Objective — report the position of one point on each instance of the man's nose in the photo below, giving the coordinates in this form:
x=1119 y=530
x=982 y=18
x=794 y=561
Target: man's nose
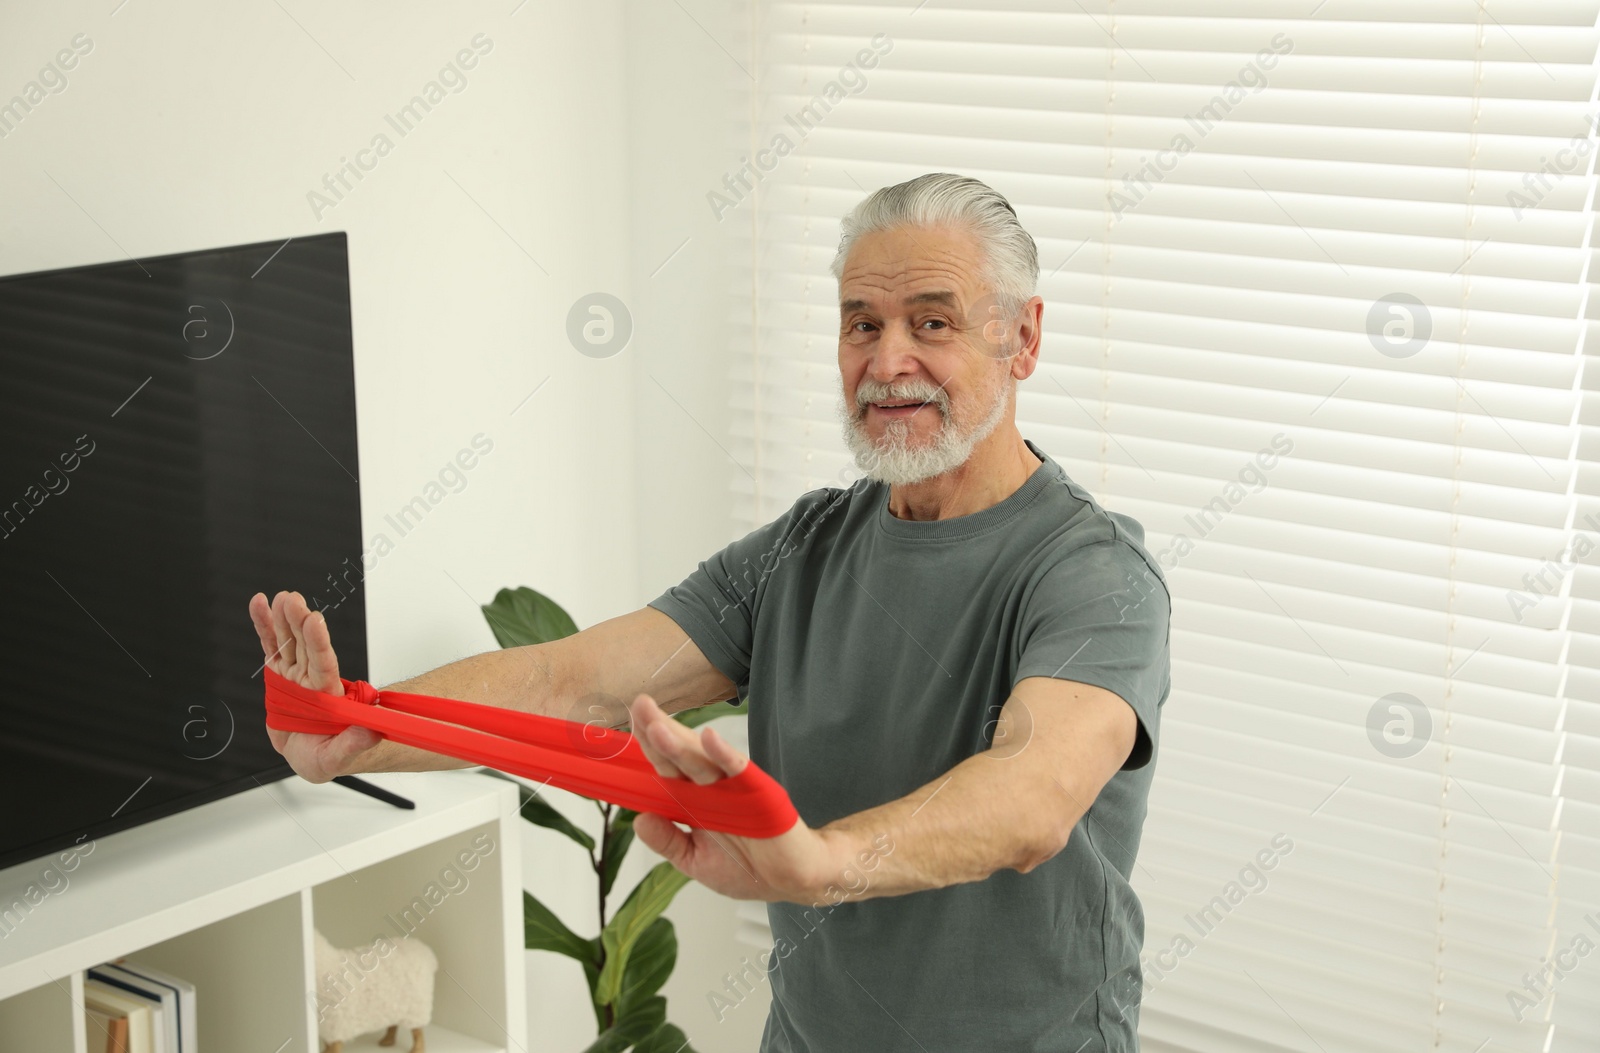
x=895 y=354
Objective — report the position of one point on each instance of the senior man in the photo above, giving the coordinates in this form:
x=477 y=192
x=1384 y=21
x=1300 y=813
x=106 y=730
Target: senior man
x=956 y=668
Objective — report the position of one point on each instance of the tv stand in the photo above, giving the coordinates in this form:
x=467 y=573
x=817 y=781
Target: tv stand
x=226 y=894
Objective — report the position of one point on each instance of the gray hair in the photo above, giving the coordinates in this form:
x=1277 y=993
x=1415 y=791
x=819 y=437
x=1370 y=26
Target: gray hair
x=942 y=199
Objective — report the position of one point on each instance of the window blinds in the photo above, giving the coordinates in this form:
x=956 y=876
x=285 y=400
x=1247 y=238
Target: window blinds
x=1317 y=289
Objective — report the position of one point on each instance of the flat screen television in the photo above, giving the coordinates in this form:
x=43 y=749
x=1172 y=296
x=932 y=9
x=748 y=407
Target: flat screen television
x=176 y=434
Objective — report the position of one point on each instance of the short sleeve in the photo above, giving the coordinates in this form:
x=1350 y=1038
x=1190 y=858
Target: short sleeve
x=1101 y=616
x=716 y=604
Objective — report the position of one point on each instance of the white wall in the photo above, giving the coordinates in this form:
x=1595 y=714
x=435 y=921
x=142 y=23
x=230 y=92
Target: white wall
x=191 y=125
x=589 y=132
x=686 y=85
x=683 y=91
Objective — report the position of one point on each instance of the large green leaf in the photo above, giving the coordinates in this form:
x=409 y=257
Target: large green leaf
x=643 y=905
x=648 y=966
x=666 y=1039
x=543 y=931
x=619 y=835
x=693 y=718
x=536 y=809
x=522 y=616
x=644 y=1021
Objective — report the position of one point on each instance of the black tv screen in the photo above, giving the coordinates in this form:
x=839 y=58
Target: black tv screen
x=176 y=434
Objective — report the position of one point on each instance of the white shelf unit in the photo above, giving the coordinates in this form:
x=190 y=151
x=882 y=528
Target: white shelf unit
x=226 y=894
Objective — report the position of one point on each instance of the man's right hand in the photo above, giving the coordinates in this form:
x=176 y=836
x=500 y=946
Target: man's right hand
x=296 y=644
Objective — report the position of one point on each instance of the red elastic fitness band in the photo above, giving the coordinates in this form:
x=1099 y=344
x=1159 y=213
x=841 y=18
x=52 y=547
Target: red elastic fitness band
x=596 y=762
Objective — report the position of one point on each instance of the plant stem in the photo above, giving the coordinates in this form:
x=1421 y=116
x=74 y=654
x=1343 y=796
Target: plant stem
x=600 y=880
x=600 y=868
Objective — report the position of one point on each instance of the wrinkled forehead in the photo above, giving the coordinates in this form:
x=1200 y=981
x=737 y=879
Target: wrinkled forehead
x=906 y=268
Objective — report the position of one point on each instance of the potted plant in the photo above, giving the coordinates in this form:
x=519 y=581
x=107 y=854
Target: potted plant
x=627 y=964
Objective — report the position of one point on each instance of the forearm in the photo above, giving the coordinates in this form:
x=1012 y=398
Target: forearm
x=589 y=677
x=1012 y=806
x=519 y=678
x=980 y=817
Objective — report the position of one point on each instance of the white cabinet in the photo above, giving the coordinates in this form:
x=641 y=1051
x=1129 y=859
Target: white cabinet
x=225 y=895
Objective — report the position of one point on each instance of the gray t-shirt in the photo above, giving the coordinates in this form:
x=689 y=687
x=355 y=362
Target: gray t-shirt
x=876 y=653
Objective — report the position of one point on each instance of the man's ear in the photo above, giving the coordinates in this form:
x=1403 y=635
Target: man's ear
x=1029 y=325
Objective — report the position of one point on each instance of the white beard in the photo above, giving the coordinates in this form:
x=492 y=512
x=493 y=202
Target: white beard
x=896 y=463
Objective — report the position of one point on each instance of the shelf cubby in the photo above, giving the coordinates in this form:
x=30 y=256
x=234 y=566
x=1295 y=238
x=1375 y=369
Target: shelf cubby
x=227 y=896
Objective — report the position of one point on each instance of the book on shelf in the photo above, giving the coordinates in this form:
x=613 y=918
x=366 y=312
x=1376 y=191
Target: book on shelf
x=134 y=1013
x=173 y=996
x=107 y=1032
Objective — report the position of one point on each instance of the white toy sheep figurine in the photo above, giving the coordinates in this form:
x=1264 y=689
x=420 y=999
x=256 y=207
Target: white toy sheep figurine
x=385 y=983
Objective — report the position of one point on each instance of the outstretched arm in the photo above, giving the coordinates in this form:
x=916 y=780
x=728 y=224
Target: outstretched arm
x=587 y=677
x=1012 y=806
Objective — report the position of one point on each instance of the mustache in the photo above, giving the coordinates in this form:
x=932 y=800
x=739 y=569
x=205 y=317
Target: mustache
x=868 y=393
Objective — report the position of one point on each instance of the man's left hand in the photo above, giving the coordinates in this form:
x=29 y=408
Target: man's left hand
x=795 y=866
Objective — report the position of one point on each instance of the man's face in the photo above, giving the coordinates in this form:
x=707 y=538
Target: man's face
x=923 y=352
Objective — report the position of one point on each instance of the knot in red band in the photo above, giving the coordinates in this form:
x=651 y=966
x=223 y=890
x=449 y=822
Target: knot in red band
x=361 y=691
